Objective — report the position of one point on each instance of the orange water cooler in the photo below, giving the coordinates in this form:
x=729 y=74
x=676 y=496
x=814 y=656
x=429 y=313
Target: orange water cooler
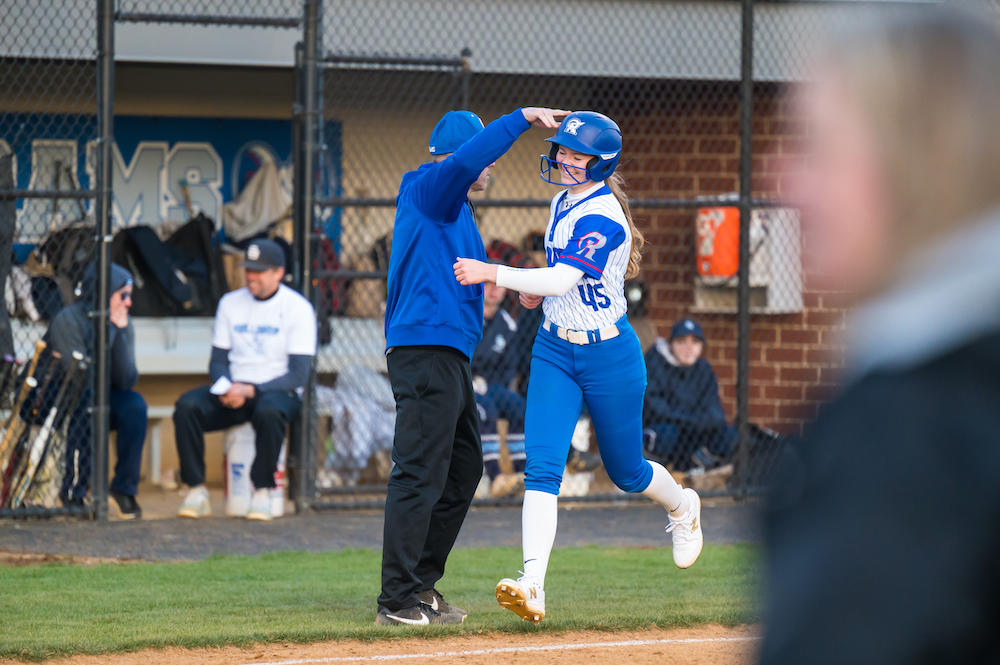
x=718 y=232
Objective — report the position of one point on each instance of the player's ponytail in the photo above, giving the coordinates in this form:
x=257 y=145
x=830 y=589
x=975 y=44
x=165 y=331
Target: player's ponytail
x=616 y=184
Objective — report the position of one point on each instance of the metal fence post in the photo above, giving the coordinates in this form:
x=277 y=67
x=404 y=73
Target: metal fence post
x=304 y=229
x=102 y=206
x=746 y=211
x=466 y=82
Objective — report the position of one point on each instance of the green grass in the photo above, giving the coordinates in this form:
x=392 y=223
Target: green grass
x=59 y=609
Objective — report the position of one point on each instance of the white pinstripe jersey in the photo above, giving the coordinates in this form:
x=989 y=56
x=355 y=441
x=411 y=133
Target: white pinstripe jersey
x=593 y=235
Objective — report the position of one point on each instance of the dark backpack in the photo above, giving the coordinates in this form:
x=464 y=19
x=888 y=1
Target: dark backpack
x=160 y=284
x=198 y=240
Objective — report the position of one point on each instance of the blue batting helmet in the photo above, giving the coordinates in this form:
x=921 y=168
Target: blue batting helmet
x=591 y=133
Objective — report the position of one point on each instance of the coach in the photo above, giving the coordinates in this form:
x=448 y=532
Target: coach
x=262 y=350
x=432 y=327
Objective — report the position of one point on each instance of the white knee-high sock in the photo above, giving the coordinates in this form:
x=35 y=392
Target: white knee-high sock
x=539 y=515
x=664 y=490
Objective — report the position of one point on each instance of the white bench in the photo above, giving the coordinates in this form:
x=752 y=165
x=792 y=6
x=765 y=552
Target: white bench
x=182 y=345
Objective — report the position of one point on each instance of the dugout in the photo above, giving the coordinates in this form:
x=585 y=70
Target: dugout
x=213 y=94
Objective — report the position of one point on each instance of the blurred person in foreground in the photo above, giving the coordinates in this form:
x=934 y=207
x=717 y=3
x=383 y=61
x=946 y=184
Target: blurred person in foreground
x=894 y=560
x=683 y=420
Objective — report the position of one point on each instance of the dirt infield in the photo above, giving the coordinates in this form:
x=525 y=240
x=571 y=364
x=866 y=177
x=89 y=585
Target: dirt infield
x=707 y=645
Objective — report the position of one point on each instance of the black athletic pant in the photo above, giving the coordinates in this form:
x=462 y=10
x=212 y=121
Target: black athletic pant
x=439 y=461
x=199 y=411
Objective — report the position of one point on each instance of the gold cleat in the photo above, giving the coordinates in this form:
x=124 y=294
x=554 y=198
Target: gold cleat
x=524 y=597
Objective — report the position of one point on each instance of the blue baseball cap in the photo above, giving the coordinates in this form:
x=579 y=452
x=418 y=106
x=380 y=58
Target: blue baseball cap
x=452 y=130
x=686 y=327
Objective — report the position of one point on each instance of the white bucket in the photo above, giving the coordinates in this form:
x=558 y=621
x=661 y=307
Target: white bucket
x=240 y=452
x=241 y=449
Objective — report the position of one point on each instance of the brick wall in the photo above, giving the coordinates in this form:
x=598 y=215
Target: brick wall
x=685 y=142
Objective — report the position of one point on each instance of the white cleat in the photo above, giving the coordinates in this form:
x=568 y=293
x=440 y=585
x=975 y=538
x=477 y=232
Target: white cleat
x=523 y=596
x=260 y=506
x=195 y=504
x=686 y=532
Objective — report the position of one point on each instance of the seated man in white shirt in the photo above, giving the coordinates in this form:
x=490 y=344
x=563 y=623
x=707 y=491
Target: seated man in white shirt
x=262 y=350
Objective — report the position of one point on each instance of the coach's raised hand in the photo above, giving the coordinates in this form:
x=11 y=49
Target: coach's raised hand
x=529 y=301
x=541 y=117
x=471 y=271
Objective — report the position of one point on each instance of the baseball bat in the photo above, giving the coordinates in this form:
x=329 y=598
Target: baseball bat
x=7 y=465
x=11 y=432
x=16 y=458
x=38 y=444
x=77 y=392
x=17 y=462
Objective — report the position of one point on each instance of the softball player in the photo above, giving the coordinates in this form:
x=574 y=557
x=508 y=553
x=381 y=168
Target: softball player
x=585 y=350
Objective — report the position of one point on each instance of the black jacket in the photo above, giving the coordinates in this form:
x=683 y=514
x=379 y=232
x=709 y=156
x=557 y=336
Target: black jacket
x=884 y=534
x=883 y=531
x=497 y=357
x=72 y=329
x=686 y=397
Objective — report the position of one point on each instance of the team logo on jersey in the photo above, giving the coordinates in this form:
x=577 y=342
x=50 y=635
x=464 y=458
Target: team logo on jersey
x=590 y=243
x=572 y=125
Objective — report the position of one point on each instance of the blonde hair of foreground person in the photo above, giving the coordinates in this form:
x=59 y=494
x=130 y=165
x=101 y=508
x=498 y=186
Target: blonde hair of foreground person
x=928 y=84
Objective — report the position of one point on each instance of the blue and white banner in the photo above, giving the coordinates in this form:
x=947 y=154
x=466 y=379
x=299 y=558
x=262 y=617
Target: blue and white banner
x=215 y=157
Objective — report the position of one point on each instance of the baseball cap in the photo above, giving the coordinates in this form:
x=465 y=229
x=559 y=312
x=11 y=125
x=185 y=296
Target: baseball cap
x=263 y=255
x=687 y=327
x=452 y=130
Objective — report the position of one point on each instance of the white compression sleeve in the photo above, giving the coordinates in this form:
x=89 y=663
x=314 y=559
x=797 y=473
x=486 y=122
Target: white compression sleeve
x=539 y=515
x=554 y=281
x=664 y=490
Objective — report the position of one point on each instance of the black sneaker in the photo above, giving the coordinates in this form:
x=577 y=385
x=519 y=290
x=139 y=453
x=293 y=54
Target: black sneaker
x=437 y=602
x=125 y=504
x=420 y=615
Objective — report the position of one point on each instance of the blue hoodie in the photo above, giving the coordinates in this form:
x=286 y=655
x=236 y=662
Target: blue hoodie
x=425 y=304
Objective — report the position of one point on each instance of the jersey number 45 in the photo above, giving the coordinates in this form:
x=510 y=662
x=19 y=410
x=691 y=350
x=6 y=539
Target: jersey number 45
x=594 y=295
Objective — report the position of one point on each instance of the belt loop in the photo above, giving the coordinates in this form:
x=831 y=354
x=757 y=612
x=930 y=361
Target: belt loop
x=593 y=336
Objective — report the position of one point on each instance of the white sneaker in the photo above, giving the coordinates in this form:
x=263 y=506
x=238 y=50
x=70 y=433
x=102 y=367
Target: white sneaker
x=687 y=534
x=260 y=505
x=195 y=504
x=523 y=596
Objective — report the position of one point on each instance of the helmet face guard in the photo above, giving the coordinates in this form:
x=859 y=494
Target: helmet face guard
x=590 y=133
x=549 y=162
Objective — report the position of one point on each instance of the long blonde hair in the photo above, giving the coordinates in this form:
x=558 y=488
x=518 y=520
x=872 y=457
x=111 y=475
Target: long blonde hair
x=929 y=82
x=616 y=183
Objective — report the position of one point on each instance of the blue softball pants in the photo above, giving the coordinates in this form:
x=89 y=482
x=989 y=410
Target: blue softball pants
x=610 y=376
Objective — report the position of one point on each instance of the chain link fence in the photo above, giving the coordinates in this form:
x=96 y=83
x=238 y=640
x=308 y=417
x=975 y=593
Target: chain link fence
x=48 y=181
x=740 y=348
x=672 y=82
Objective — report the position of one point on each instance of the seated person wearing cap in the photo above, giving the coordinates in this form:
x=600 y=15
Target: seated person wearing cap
x=494 y=369
x=683 y=420
x=262 y=350
x=72 y=330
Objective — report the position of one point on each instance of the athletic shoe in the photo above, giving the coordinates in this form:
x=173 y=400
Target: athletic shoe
x=437 y=602
x=260 y=505
x=420 y=615
x=523 y=596
x=686 y=532
x=125 y=504
x=195 y=503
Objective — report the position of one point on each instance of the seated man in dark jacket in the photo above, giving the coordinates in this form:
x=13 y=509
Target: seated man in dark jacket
x=494 y=369
x=682 y=414
x=71 y=330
